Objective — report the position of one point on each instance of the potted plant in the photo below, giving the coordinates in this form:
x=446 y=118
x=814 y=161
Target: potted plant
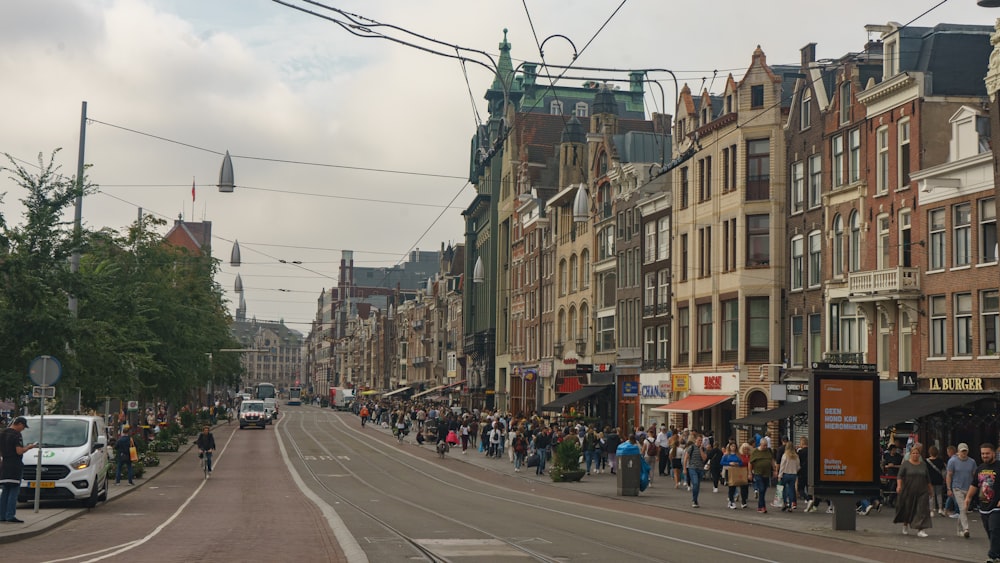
x=566 y=461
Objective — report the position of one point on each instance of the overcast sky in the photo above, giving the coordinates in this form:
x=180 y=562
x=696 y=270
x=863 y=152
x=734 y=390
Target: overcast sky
x=263 y=80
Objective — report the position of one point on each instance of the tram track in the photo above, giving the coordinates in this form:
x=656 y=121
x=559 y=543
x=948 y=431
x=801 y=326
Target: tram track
x=377 y=446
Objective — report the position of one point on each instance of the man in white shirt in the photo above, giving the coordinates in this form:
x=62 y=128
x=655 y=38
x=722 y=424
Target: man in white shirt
x=663 y=444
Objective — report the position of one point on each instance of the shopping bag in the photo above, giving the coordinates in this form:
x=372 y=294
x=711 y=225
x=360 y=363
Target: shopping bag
x=133 y=454
x=779 y=490
x=737 y=477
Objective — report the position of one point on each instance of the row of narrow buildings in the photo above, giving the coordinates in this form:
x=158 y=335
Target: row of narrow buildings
x=627 y=267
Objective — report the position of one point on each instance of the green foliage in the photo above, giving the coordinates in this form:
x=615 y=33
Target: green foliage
x=567 y=456
x=149 y=313
x=150 y=459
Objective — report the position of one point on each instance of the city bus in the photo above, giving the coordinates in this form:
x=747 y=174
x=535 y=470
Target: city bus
x=294 y=396
x=264 y=391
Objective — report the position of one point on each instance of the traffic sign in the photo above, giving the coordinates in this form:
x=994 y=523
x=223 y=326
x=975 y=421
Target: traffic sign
x=133 y=405
x=45 y=371
x=41 y=391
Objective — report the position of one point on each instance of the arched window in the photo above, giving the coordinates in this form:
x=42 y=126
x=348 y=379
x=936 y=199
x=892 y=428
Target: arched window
x=584 y=333
x=585 y=269
x=574 y=274
x=555 y=107
x=571 y=323
x=563 y=277
x=855 y=250
x=582 y=110
x=838 y=245
x=562 y=326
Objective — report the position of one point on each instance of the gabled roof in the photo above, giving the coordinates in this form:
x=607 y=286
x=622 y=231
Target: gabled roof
x=196 y=237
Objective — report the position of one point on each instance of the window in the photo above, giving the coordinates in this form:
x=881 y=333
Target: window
x=649 y=295
x=758 y=240
x=758 y=170
x=962 y=219
x=606 y=244
x=650 y=251
x=605 y=340
x=903 y=138
x=852 y=332
x=662 y=291
x=797 y=265
x=815 y=180
x=845 y=103
x=905 y=239
x=684 y=257
x=805 y=117
x=883 y=242
x=704 y=252
x=705 y=333
x=935 y=221
x=837 y=147
x=758 y=329
x=815 y=338
x=729 y=245
x=585 y=269
x=889 y=64
x=854 y=257
x=683 y=335
x=882 y=160
x=563 y=278
x=963 y=324
x=582 y=110
x=757 y=96
x=662 y=346
x=939 y=317
x=798 y=344
x=730 y=330
x=798 y=187
x=815 y=258
x=854 y=155
x=989 y=305
x=649 y=348
x=555 y=107
x=663 y=239
x=725 y=169
x=987 y=231
x=684 y=187
x=732 y=167
x=574 y=275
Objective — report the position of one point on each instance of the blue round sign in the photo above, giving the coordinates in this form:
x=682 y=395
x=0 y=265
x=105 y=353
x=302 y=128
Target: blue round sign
x=45 y=371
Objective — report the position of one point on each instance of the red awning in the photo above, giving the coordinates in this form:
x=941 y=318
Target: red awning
x=694 y=403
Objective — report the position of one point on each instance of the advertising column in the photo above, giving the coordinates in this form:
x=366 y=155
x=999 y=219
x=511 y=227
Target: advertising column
x=843 y=423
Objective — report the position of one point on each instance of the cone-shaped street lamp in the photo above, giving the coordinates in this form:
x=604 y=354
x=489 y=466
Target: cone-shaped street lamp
x=581 y=205
x=234 y=257
x=226 y=184
x=238 y=288
x=478 y=271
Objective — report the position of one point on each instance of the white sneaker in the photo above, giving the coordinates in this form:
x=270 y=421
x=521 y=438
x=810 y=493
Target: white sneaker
x=715 y=489
x=829 y=509
x=921 y=534
x=906 y=530
x=732 y=506
x=810 y=505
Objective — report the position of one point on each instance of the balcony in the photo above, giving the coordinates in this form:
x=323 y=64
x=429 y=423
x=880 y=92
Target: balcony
x=883 y=284
x=844 y=357
x=417 y=325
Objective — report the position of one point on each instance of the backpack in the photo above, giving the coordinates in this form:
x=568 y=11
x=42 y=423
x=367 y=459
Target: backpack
x=652 y=449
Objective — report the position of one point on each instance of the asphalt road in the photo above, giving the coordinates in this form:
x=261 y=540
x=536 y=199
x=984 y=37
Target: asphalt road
x=318 y=487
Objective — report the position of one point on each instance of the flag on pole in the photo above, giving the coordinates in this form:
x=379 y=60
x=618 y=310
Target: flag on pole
x=192 y=190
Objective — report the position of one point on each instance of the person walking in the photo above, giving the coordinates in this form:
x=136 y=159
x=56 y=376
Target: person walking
x=651 y=452
x=519 y=445
x=11 y=449
x=464 y=431
x=713 y=465
x=984 y=487
x=913 y=491
x=788 y=469
x=541 y=445
x=123 y=457
x=612 y=438
x=764 y=468
x=936 y=469
x=694 y=460
x=663 y=445
x=736 y=475
x=958 y=479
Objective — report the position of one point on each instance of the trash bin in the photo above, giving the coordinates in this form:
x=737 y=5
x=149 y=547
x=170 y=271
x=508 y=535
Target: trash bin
x=629 y=471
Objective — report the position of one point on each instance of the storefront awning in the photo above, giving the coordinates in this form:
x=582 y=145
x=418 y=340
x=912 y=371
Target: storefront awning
x=786 y=410
x=456 y=384
x=917 y=405
x=428 y=392
x=574 y=397
x=693 y=403
x=369 y=392
x=395 y=391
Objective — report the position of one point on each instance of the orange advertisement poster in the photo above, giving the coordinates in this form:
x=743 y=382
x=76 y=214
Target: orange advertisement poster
x=847 y=430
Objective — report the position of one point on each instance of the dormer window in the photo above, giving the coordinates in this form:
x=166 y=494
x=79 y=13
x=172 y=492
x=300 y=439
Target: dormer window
x=555 y=107
x=706 y=115
x=890 y=60
x=805 y=117
x=582 y=110
x=729 y=103
x=757 y=96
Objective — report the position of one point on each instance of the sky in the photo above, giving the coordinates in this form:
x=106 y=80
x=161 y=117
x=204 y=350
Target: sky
x=342 y=142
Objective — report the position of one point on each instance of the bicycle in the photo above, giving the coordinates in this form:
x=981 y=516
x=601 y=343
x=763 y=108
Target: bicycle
x=206 y=459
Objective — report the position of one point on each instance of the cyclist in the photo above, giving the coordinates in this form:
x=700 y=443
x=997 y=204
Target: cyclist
x=206 y=446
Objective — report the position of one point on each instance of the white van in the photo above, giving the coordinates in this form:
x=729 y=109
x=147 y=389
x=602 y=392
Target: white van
x=74 y=459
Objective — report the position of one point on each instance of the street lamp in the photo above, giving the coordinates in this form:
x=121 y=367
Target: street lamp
x=479 y=271
x=226 y=181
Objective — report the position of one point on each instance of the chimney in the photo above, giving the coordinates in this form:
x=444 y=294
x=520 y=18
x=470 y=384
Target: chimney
x=808 y=54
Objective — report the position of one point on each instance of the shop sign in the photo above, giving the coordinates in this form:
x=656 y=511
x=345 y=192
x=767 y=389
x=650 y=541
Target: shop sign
x=630 y=388
x=906 y=381
x=653 y=392
x=713 y=383
x=681 y=382
x=798 y=387
x=570 y=361
x=956 y=384
x=529 y=374
x=545 y=369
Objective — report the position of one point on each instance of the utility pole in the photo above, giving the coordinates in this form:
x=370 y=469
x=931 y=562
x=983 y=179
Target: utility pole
x=74 y=261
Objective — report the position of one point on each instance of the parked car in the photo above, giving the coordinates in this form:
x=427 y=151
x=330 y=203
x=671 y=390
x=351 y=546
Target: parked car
x=252 y=413
x=75 y=459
